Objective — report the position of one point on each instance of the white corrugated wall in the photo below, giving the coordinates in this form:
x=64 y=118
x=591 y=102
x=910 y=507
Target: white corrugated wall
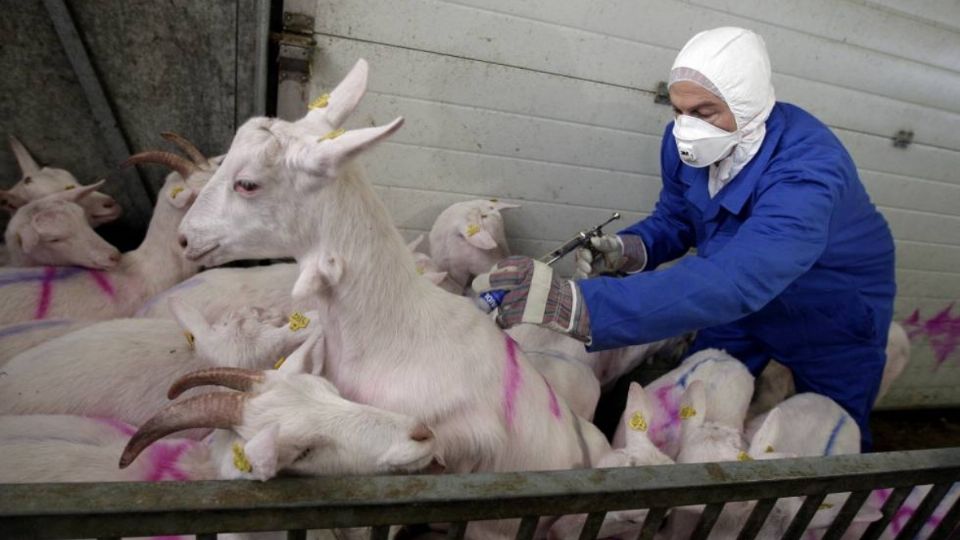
x=550 y=103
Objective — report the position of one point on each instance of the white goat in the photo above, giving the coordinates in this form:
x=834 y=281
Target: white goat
x=638 y=452
x=119 y=368
x=467 y=239
x=290 y=189
x=775 y=383
x=429 y=269
x=728 y=388
x=37 y=182
x=156 y=265
x=53 y=230
x=16 y=338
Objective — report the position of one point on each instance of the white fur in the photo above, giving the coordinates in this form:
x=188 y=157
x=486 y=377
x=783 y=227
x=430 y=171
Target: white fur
x=53 y=230
x=121 y=368
x=18 y=337
x=38 y=182
x=394 y=338
x=142 y=273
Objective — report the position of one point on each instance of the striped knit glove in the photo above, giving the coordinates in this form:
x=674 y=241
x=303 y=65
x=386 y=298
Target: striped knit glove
x=536 y=295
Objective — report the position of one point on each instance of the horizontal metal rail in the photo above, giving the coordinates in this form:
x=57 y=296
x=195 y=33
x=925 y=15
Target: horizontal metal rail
x=169 y=508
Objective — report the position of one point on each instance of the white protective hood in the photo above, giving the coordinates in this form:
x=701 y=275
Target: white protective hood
x=732 y=63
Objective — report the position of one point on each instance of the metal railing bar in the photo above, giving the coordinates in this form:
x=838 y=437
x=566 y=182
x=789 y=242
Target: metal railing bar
x=845 y=517
x=800 y=521
x=298 y=534
x=652 y=523
x=889 y=509
x=528 y=526
x=380 y=532
x=707 y=520
x=457 y=530
x=923 y=512
x=949 y=523
x=207 y=536
x=592 y=526
x=757 y=517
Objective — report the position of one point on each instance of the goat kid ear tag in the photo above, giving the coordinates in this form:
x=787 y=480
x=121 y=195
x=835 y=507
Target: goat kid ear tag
x=638 y=422
x=298 y=321
x=279 y=362
x=240 y=461
x=320 y=102
x=687 y=412
x=743 y=456
x=190 y=339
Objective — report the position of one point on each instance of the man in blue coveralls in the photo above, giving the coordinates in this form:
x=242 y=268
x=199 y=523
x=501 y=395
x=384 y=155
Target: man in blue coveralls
x=793 y=261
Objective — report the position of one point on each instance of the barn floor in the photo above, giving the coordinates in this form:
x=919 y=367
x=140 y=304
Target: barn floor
x=915 y=430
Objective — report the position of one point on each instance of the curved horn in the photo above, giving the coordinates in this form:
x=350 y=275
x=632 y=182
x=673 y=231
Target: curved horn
x=175 y=162
x=230 y=377
x=188 y=147
x=218 y=410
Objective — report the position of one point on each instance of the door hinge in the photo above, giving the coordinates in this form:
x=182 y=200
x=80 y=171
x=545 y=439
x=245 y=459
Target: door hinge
x=296 y=44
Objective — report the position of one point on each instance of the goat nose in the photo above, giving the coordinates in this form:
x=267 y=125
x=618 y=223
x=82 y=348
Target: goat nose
x=182 y=240
x=109 y=204
x=421 y=433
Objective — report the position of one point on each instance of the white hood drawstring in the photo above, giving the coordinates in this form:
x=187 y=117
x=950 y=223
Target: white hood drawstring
x=731 y=63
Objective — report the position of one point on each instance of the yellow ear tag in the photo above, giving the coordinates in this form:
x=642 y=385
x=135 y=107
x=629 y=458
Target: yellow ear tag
x=298 y=321
x=320 y=102
x=472 y=229
x=174 y=191
x=240 y=461
x=280 y=362
x=494 y=200
x=687 y=412
x=825 y=506
x=332 y=135
x=68 y=188
x=638 y=422
x=769 y=449
x=420 y=271
x=190 y=339
x=743 y=456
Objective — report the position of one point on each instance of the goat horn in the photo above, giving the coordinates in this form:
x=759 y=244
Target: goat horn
x=175 y=162
x=218 y=410
x=230 y=377
x=188 y=147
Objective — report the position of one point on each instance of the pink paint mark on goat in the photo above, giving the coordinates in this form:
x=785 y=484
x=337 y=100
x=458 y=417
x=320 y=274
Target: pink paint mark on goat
x=554 y=403
x=103 y=282
x=511 y=382
x=119 y=425
x=668 y=418
x=942 y=332
x=163 y=460
x=46 y=292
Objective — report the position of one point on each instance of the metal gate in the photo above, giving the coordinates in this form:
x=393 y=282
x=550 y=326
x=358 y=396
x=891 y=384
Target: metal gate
x=114 y=510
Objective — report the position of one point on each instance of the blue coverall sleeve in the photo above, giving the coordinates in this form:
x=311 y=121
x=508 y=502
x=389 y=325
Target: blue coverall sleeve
x=666 y=233
x=784 y=236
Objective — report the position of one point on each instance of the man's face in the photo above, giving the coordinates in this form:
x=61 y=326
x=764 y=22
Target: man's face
x=694 y=100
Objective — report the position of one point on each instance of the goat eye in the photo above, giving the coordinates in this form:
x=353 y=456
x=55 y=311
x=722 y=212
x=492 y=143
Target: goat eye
x=245 y=187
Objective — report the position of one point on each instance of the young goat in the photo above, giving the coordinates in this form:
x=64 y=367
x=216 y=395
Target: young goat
x=53 y=230
x=291 y=189
x=70 y=292
x=37 y=182
x=16 y=338
x=467 y=238
x=119 y=368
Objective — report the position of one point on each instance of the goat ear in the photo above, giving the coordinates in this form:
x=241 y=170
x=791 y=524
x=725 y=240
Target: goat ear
x=345 y=97
x=26 y=162
x=415 y=243
x=318 y=273
x=190 y=319
x=693 y=404
x=263 y=452
x=472 y=230
x=324 y=156
x=435 y=277
x=81 y=192
x=766 y=438
x=10 y=201
x=27 y=238
x=308 y=358
x=499 y=205
x=49 y=221
x=179 y=195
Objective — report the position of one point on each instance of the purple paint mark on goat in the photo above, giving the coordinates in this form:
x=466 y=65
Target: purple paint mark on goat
x=163 y=459
x=668 y=417
x=46 y=292
x=15 y=329
x=188 y=284
x=554 y=403
x=37 y=274
x=942 y=332
x=511 y=382
x=103 y=282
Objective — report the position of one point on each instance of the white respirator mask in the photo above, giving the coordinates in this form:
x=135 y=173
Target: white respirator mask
x=701 y=143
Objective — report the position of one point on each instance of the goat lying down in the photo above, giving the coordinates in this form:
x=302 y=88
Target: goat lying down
x=290 y=189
